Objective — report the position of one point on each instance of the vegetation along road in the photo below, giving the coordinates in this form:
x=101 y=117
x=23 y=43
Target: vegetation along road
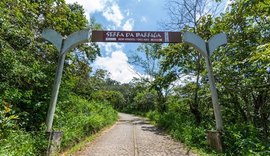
x=133 y=135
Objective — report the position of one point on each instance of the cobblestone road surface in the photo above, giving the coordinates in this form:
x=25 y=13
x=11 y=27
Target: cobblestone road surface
x=133 y=136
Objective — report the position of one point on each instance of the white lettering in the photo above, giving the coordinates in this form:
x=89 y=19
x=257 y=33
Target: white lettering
x=121 y=35
x=115 y=34
x=148 y=35
x=129 y=35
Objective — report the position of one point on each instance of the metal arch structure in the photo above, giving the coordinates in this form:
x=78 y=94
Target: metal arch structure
x=63 y=45
x=207 y=49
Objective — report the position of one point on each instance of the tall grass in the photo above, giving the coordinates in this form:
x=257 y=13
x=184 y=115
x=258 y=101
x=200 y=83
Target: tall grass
x=79 y=118
x=21 y=143
x=238 y=138
x=75 y=116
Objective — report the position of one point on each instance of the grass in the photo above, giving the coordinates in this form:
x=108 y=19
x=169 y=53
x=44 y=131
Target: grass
x=84 y=142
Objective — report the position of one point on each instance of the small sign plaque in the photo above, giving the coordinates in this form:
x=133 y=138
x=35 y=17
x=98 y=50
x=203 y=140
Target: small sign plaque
x=136 y=36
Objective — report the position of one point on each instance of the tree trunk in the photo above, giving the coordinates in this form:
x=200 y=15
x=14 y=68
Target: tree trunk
x=196 y=113
x=161 y=101
x=195 y=104
x=238 y=107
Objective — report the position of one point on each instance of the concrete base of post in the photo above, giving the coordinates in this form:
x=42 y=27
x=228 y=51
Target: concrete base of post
x=54 y=142
x=214 y=140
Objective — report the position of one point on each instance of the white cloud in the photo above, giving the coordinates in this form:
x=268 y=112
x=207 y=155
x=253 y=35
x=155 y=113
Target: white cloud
x=115 y=61
x=90 y=6
x=112 y=13
x=128 y=26
x=110 y=47
x=118 y=66
x=109 y=8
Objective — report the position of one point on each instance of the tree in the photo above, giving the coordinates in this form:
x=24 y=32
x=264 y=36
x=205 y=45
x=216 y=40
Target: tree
x=179 y=60
x=188 y=15
x=145 y=101
x=147 y=59
x=150 y=63
x=28 y=64
x=242 y=68
x=115 y=98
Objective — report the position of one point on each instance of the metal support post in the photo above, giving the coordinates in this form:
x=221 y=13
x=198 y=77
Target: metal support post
x=63 y=45
x=207 y=49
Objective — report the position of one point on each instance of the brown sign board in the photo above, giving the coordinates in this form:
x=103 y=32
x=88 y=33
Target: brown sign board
x=136 y=36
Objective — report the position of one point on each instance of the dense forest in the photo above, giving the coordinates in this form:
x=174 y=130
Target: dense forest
x=28 y=65
x=175 y=95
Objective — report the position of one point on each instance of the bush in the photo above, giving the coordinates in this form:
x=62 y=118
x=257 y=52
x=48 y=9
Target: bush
x=153 y=116
x=20 y=143
x=239 y=139
x=242 y=139
x=79 y=118
x=76 y=117
x=115 y=98
x=7 y=119
x=145 y=101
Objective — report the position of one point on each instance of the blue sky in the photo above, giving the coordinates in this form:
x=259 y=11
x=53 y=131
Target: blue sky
x=140 y=15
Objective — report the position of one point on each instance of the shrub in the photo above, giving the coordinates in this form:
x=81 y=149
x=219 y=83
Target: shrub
x=115 y=98
x=243 y=139
x=239 y=139
x=145 y=101
x=78 y=118
x=20 y=143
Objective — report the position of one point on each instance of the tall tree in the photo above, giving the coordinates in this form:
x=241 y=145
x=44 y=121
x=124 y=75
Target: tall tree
x=243 y=63
x=147 y=59
x=180 y=60
x=187 y=15
x=27 y=63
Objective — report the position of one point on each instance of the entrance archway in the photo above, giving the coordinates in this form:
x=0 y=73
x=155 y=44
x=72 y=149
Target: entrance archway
x=63 y=45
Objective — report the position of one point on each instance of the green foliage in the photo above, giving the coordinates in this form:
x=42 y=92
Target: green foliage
x=7 y=119
x=27 y=62
x=10 y=144
x=239 y=139
x=115 y=98
x=145 y=101
x=79 y=118
x=86 y=101
x=242 y=80
x=180 y=126
x=75 y=116
x=23 y=143
x=242 y=139
x=28 y=65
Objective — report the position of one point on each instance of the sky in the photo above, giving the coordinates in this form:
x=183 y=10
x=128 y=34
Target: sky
x=130 y=15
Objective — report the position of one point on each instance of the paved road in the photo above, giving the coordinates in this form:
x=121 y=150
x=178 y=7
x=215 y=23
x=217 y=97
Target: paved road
x=133 y=136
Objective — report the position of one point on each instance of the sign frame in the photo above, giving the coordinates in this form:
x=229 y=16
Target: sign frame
x=136 y=36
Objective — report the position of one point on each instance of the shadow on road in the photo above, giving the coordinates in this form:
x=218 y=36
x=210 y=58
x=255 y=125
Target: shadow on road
x=144 y=124
x=153 y=129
